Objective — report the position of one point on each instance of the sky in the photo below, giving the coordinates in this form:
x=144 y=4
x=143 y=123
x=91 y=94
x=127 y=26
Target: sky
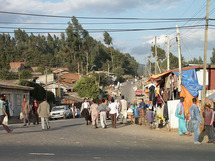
x=136 y=43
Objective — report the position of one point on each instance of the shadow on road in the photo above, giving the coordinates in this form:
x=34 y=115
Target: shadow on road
x=40 y=130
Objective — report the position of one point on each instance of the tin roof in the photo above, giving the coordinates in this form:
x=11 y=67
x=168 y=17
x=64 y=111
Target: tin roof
x=13 y=86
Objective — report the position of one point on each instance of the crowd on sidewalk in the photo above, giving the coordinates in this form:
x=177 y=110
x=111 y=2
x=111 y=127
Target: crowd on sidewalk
x=115 y=108
x=118 y=109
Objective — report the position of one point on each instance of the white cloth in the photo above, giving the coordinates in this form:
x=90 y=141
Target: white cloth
x=85 y=104
x=113 y=108
x=103 y=119
x=45 y=121
x=172 y=106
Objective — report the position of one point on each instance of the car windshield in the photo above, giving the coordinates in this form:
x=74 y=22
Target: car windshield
x=57 y=108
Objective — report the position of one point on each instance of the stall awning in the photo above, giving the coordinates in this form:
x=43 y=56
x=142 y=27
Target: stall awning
x=155 y=77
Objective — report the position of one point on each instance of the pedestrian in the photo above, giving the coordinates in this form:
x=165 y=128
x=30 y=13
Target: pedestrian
x=181 y=117
x=123 y=109
x=85 y=107
x=142 y=104
x=113 y=111
x=208 y=115
x=7 y=108
x=94 y=113
x=25 y=111
x=102 y=110
x=44 y=114
x=3 y=114
x=150 y=116
x=196 y=120
x=34 y=109
x=117 y=111
x=73 y=110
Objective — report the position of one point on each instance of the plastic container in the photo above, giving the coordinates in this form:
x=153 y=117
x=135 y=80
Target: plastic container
x=136 y=112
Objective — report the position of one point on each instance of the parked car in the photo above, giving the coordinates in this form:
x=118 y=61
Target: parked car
x=138 y=92
x=62 y=111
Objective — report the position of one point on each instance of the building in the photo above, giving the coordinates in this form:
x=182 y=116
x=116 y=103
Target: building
x=15 y=94
x=16 y=66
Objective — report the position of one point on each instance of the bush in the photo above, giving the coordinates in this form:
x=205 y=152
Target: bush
x=25 y=74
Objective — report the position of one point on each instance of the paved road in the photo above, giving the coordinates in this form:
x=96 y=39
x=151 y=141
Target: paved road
x=128 y=92
x=72 y=140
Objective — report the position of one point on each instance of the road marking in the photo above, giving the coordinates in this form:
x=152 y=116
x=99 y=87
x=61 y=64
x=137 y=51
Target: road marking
x=47 y=154
x=97 y=158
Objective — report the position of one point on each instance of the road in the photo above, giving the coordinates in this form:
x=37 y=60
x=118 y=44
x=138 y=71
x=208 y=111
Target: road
x=71 y=139
x=128 y=92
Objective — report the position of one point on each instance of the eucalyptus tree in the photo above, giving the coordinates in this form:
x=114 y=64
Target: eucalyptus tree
x=108 y=41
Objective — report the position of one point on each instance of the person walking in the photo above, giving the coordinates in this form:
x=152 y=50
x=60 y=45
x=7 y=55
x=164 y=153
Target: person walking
x=34 y=109
x=94 y=113
x=85 y=107
x=181 y=117
x=123 y=109
x=25 y=111
x=44 y=114
x=196 y=120
x=102 y=110
x=117 y=110
x=3 y=114
x=208 y=115
x=142 y=104
x=113 y=111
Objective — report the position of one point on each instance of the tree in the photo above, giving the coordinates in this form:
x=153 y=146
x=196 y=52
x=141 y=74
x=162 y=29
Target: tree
x=5 y=75
x=25 y=74
x=87 y=87
x=196 y=61
x=37 y=93
x=108 y=41
x=213 y=57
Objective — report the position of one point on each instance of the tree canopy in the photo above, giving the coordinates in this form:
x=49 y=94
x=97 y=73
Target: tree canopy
x=74 y=49
x=87 y=87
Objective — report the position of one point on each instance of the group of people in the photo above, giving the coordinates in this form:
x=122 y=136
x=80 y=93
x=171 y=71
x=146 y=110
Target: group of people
x=196 y=120
x=37 y=110
x=112 y=107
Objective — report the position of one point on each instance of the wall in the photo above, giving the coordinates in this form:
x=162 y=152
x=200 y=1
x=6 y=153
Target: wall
x=15 y=97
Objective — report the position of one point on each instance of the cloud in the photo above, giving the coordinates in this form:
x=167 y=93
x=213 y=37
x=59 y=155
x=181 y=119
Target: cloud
x=171 y=7
x=73 y=7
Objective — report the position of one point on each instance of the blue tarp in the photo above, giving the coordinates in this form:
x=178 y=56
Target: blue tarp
x=190 y=82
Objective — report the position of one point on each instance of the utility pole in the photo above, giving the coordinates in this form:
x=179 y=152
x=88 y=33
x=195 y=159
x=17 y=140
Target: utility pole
x=108 y=70
x=46 y=82
x=205 y=55
x=145 y=67
x=78 y=70
x=156 y=55
x=150 y=65
x=168 y=46
x=87 y=63
x=179 y=58
x=59 y=80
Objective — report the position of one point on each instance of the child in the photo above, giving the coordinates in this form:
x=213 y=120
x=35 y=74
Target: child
x=150 y=116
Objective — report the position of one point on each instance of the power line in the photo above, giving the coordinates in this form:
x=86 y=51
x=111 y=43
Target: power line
x=137 y=29
x=50 y=23
x=107 y=18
